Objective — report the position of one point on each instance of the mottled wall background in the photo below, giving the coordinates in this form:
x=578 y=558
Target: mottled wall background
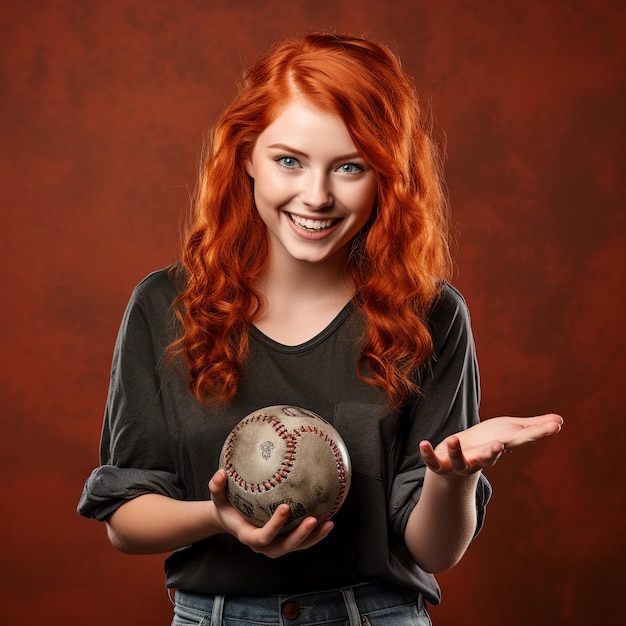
x=103 y=106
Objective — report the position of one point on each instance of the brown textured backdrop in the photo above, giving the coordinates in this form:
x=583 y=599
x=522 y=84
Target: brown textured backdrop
x=102 y=110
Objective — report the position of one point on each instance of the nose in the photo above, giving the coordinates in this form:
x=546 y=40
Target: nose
x=316 y=192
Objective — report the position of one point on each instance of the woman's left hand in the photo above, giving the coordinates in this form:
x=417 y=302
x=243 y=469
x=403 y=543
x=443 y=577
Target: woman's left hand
x=482 y=445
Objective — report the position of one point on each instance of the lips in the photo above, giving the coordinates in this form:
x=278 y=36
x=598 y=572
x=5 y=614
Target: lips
x=311 y=224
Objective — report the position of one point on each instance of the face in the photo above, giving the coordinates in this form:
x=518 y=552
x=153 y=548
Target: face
x=312 y=187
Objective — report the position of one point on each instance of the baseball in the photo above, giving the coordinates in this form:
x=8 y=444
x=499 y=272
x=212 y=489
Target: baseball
x=285 y=454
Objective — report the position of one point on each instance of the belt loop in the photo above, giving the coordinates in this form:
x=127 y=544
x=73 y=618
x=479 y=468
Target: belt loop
x=351 y=606
x=218 y=610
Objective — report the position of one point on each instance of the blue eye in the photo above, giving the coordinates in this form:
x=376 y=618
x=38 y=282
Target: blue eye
x=288 y=161
x=350 y=168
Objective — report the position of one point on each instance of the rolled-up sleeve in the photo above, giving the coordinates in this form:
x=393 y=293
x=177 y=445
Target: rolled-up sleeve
x=449 y=402
x=135 y=448
x=109 y=487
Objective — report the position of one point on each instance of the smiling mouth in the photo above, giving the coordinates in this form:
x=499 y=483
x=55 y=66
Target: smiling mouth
x=314 y=225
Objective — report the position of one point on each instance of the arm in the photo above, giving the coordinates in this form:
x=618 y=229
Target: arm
x=442 y=524
x=138 y=458
x=153 y=523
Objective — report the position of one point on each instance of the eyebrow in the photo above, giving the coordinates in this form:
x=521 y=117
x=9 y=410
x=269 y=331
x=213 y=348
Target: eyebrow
x=286 y=148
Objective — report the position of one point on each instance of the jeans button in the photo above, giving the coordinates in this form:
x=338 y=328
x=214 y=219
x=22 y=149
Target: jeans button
x=291 y=610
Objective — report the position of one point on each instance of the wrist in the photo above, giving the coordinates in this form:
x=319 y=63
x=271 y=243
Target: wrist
x=453 y=480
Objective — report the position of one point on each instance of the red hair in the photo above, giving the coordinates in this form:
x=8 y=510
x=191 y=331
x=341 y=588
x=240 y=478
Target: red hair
x=397 y=262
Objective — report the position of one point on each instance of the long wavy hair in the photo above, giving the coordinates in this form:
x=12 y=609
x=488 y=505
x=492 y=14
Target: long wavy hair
x=397 y=262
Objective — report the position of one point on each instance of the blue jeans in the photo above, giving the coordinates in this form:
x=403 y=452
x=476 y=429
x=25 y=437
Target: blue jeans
x=369 y=604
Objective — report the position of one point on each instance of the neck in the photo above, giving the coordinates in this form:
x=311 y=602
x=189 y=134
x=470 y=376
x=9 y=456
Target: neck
x=301 y=299
x=307 y=280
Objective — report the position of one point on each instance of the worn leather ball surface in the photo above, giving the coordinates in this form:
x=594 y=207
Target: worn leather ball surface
x=286 y=454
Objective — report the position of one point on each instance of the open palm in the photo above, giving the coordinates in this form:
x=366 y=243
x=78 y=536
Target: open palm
x=482 y=445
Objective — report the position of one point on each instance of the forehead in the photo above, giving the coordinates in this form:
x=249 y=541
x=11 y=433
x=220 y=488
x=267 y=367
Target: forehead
x=302 y=125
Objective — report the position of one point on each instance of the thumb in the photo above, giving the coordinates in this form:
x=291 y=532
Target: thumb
x=217 y=486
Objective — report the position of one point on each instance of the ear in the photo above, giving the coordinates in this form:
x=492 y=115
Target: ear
x=250 y=168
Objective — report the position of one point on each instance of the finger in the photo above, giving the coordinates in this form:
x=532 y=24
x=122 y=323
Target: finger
x=458 y=462
x=300 y=534
x=481 y=458
x=217 y=487
x=268 y=540
x=429 y=457
x=550 y=423
x=320 y=532
x=534 y=432
x=305 y=535
x=554 y=422
x=547 y=417
x=495 y=451
x=274 y=525
x=260 y=539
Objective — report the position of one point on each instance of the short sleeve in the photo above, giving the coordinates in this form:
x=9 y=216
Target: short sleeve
x=109 y=487
x=448 y=403
x=135 y=449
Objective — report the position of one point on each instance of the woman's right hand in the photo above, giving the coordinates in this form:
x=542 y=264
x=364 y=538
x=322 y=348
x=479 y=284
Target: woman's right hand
x=265 y=540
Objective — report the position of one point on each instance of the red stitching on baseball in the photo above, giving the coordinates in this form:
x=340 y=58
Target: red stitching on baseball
x=288 y=457
x=286 y=464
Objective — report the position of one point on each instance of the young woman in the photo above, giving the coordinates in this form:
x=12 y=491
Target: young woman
x=314 y=274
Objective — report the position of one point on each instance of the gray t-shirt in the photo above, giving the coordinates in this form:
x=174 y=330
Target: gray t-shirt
x=157 y=438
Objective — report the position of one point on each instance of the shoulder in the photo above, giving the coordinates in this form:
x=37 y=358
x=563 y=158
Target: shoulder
x=152 y=300
x=160 y=288
x=149 y=315
x=449 y=314
x=449 y=301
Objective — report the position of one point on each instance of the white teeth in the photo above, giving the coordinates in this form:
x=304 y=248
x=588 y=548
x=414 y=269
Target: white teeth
x=310 y=224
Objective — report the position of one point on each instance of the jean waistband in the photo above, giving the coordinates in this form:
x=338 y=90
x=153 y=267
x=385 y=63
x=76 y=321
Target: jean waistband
x=369 y=597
